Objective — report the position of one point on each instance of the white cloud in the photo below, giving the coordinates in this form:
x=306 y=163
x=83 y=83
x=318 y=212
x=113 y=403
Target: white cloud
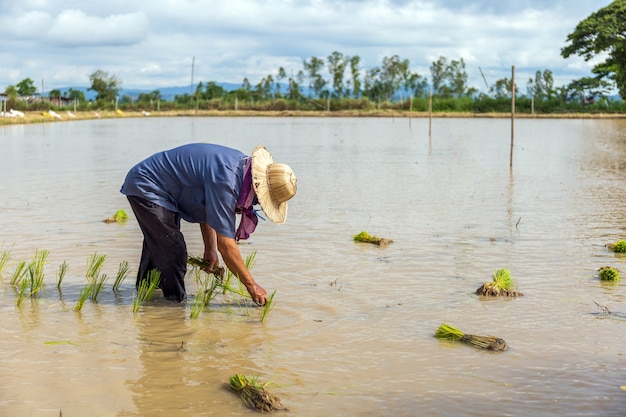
x=75 y=28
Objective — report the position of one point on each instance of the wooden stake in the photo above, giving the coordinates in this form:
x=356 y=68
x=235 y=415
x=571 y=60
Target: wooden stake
x=512 y=113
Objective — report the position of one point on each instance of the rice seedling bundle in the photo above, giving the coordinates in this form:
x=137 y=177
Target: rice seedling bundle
x=5 y=256
x=201 y=263
x=617 y=247
x=82 y=297
x=367 y=238
x=254 y=394
x=18 y=273
x=146 y=288
x=608 y=273
x=122 y=273
x=222 y=278
x=120 y=216
x=97 y=284
x=502 y=284
x=94 y=264
x=62 y=271
x=446 y=331
x=268 y=307
x=206 y=292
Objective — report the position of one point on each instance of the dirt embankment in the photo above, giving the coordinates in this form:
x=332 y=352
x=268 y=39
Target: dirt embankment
x=61 y=116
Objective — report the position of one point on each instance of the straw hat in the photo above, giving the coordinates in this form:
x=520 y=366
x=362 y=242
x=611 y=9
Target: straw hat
x=273 y=184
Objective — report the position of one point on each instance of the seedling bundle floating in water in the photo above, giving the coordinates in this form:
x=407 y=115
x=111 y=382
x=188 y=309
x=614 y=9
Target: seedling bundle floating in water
x=608 y=273
x=446 y=331
x=120 y=216
x=617 y=247
x=254 y=394
x=502 y=284
x=367 y=238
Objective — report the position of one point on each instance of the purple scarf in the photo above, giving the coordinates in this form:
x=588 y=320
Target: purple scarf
x=249 y=218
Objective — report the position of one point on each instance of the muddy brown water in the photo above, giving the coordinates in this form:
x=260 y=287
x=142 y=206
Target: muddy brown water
x=351 y=333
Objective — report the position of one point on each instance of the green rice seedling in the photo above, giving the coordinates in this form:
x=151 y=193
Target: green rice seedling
x=122 y=273
x=267 y=307
x=62 y=271
x=206 y=292
x=254 y=394
x=97 y=284
x=446 y=331
x=35 y=271
x=608 y=273
x=146 y=288
x=18 y=273
x=5 y=256
x=94 y=264
x=154 y=278
x=23 y=291
x=82 y=297
x=501 y=284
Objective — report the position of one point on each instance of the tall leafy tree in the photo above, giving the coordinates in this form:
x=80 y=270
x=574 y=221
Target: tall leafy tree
x=503 y=88
x=355 y=72
x=542 y=86
x=337 y=64
x=602 y=32
x=75 y=95
x=212 y=91
x=26 y=87
x=314 y=70
x=450 y=78
x=106 y=86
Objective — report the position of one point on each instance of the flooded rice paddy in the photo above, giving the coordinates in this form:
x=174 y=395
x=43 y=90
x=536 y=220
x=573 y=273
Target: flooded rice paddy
x=351 y=332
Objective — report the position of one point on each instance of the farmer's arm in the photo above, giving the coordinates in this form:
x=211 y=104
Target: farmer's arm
x=232 y=258
x=209 y=236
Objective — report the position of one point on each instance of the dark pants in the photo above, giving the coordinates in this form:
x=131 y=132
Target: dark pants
x=164 y=247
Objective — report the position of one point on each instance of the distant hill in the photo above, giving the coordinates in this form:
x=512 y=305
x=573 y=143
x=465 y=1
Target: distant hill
x=168 y=93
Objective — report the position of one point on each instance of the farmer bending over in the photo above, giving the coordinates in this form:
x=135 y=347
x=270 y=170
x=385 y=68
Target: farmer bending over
x=207 y=184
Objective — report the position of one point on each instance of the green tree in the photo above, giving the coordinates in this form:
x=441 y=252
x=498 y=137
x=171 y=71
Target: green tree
x=76 y=95
x=373 y=87
x=26 y=87
x=450 y=79
x=542 y=86
x=587 y=89
x=502 y=88
x=265 y=87
x=54 y=93
x=105 y=85
x=602 y=33
x=337 y=64
x=313 y=69
x=213 y=91
x=11 y=95
x=282 y=74
x=355 y=72
x=149 y=98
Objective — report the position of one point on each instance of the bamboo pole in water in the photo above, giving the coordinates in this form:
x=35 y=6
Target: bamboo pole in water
x=430 y=112
x=512 y=114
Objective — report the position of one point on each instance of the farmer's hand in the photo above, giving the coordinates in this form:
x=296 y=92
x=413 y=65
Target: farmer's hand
x=211 y=257
x=258 y=294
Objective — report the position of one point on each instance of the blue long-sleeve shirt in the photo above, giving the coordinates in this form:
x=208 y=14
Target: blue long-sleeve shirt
x=200 y=181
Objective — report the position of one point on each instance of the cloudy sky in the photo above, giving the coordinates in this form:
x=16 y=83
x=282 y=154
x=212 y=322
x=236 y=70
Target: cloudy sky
x=151 y=44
